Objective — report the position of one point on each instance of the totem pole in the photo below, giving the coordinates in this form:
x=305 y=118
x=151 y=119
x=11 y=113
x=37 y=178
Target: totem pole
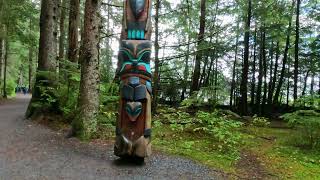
x=133 y=131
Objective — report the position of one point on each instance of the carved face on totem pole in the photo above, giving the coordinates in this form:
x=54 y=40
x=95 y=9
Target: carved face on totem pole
x=137 y=19
x=134 y=122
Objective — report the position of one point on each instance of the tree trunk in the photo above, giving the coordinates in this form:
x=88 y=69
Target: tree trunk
x=156 y=78
x=74 y=18
x=305 y=83
x=233 y=82
x=312 y=84
x=260 y=76
x=265 y=69
x=275 y=74
x=244 y=80
x=296 y=53
x=5 y=95
x=285 y=59
x=196 y=72
x=62 y=33
x=319 y=85
x=253 y=80
x=186 y=65
x=270 y=73
x=47 y=56
x=203 y=74
x=30 y=62
x=1 y=62
x=288 y=88
x=30 y=68
x=86 y=123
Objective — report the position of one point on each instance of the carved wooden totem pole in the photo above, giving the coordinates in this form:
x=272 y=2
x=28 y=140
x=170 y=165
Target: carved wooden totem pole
x=133 y=131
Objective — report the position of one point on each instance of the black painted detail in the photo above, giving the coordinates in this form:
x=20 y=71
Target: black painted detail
x=147 y=133
x=127 y=92
x=140 y=93
x=118 y=131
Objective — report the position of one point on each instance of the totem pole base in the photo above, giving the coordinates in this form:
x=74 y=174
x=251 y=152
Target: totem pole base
x=140 y=148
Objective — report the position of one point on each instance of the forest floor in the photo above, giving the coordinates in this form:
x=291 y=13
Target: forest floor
x=30 y=150
x=39 y=150
x=265 y=153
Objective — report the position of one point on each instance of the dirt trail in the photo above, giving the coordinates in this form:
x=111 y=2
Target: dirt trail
x=32 y=151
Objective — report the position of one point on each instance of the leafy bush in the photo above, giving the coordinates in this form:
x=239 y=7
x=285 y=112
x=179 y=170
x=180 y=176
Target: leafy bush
x=107 y=119
x=193 y=101
x=260 y=121
x=179 y=120
x=310 y=101
x=307 y=122
x=223 y=130
x=10 y=88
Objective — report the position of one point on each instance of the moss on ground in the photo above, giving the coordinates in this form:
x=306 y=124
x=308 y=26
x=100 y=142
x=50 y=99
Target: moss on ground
x=273 y=148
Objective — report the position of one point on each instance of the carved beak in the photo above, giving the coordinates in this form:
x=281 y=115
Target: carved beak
x=137 y=7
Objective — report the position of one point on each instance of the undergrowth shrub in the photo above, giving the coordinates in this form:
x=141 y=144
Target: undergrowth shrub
x=224 y=131
x=10 y=87
x=310 y=101
x=307 y=122
x=260 y=121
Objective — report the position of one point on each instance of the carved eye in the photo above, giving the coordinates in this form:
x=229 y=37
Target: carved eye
x=145 y=57
x=124 y=56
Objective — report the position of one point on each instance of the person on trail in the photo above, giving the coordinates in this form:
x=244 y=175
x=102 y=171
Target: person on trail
x=24 y=90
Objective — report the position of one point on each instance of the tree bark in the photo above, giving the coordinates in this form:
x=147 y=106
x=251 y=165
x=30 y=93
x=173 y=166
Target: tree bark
x=270 y=73
x=47 y=55
x=285 y=59
x=312 y=84
x=30 y=73
x=156 y=77
x=186 y=64
x=62 y=33
x=244 y=80
x=233 y=82
x=296 y=53
x=86 y=123
x=319 y=85
x=74 y=19
x=253 y=80
x=305 y=82
x=265 y=69
x=1 y=62
x=196 y=72
x=275 y=74
x=260 y=76
x=30 y=68
x=5 y=95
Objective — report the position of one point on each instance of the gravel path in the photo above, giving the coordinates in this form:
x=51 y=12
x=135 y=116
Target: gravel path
x=32 y=151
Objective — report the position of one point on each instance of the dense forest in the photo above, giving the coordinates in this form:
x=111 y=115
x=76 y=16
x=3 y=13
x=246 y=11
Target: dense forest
x=227 y=75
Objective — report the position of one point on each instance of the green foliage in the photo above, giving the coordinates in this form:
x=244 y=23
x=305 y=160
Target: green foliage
x=311 y=101
x=10 y=87
x=260 y=121
x=196 y=100
x=224 y=131
x=308 y=124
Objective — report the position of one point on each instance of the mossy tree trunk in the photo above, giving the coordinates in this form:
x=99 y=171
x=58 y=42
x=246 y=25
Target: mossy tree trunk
x=46 y=60
x=85 y=124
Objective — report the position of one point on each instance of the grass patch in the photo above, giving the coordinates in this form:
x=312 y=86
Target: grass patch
x=196 y=148
x=278 y=154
